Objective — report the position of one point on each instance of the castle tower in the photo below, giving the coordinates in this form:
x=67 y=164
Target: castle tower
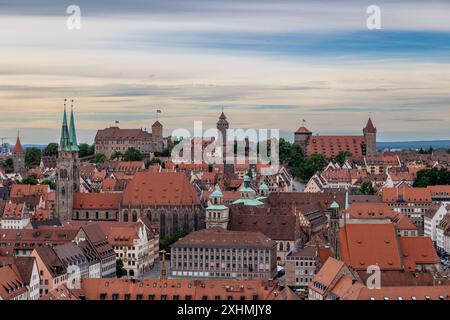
x=157 y=136
x=370 y=136
x=157 y=131
x=68 y=169
x=18 y=156
x=333 y=230
x=217 y=215
x=301 y=137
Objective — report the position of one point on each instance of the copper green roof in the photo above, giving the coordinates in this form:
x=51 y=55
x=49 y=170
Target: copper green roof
x=73 y=134
x=64 y=143
x=216 y=193
x=334 y=205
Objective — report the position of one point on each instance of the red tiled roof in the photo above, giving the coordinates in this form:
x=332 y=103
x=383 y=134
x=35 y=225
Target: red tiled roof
x=328 y=272
x=18 y=147
x=11 y=284
x=362 y=245
x=117 y=133
x=218 y=237
x=101 y=201
x=361 y=210
x=162 y=188
x=418 y=250
x=96 y=289
x=406 y=293
x=302 y=130
x=22 y=190
x=13 y=211
x=331 y=146
x=406 y=194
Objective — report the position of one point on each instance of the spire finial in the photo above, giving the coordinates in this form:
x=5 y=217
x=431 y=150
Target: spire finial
x=71 y=104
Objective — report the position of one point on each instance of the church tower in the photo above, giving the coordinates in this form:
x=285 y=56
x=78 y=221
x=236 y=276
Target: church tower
x=333 y=230
x=18 y=156
x=370 y=136
x=68 y=169
x=217 y=215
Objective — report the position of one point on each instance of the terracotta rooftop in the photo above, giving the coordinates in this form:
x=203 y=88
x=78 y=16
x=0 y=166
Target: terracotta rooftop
x=218 y=237
x=125 y=134
x=149 y=289
x=13 y=211
x=406 y=293
x=406 y=194
x=11 y=284
x=362 y=245
x=331 y=146
x=417 y=250
x=367 y=210
x=163 y=188
x=18 y=147
x=101 y=201
x=21 y=190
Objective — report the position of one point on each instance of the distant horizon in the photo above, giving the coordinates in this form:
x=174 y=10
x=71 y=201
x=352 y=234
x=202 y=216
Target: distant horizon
x=267 y=64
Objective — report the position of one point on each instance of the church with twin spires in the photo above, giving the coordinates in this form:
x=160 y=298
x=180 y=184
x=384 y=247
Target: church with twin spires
x=331 y=146
x=68 y=169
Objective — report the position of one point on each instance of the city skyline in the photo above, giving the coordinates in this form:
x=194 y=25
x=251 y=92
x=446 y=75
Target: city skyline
x=269 y=66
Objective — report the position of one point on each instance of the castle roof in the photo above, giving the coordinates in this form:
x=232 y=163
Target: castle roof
x=18 y=147
x=370 y=128
x=302 y=130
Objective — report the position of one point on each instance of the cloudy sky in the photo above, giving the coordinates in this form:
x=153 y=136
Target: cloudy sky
x=270 y=64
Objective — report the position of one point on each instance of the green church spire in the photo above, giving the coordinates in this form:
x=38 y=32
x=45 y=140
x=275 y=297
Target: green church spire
x=73 y=134
x=64 y=144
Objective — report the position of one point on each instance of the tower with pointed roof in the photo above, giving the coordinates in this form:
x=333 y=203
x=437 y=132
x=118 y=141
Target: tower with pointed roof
x=68 y=168
x=370 y=137
x=18 y=156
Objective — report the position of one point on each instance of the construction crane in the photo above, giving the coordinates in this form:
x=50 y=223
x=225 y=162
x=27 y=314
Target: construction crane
x=6 y=138
x=3 y=149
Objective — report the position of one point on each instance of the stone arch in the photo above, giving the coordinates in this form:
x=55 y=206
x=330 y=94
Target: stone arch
x=125 y=216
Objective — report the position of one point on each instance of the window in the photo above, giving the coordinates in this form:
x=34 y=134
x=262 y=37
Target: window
x=151 y=297
x=139 y=296
x=115 y=296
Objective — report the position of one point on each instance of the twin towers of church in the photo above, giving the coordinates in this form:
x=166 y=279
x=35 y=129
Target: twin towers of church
x=68 y=168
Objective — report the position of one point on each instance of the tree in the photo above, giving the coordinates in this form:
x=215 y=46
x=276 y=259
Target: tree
x=85 y=150
x=152 y=161
x=367 y=188
x=169 y=240
x=340 y=158
x=50 y=183
x=29 y=180
x=132 y=154
x=32 y=157
x=117 y=155
x=310 y=166
x=431 y=177
x=120 y=270
x=51 y=150
x=8 y=164
x=99 y=158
